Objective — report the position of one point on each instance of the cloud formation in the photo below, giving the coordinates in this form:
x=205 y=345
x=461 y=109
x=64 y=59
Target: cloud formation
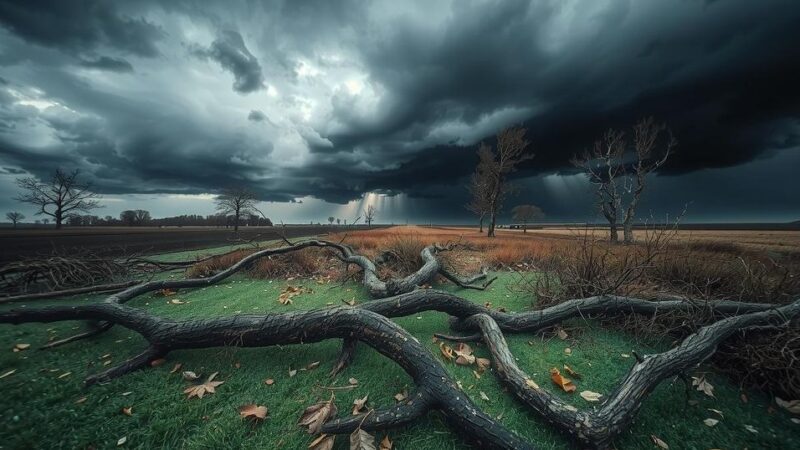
x=332 y=100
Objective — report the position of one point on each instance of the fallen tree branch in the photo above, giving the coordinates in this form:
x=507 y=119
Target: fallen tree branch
x=597 y=428
x=436 y=390
x=100 y=288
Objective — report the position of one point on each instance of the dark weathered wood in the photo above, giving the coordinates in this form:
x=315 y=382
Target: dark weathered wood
x=96 y=289
x=436 y=390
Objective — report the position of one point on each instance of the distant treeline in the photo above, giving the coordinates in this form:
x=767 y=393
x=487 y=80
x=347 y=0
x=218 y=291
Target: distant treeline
x=140 y=217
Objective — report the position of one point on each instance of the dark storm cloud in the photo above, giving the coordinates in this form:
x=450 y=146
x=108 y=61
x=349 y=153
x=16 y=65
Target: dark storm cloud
x=108 y=63
x=386 y=97
x=257 y=116
x=80 y=26
x=231 y=53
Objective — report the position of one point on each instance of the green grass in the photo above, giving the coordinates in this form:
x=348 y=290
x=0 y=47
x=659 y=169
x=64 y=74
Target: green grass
x=39 y=410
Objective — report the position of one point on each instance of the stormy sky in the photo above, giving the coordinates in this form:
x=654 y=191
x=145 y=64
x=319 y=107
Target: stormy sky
x=322 y=107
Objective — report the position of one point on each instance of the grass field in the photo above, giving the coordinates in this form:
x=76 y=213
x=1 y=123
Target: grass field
x=41 y=402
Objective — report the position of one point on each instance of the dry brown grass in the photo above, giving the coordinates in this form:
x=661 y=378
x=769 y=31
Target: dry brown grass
x=302 y=263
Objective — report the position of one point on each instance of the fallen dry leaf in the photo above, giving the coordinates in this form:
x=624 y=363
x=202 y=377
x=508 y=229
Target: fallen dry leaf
x=717 y=412
x=352 y=381
x=359 y=404
x=322 y=442
x=10 y=372
x=128 y=411
x=122 y=440
x=531 y=384
x=562 y=334
x=483 y=364
x=361 y=440
x=269 y=381
x=176 y=301
x=564 y=383
x=568 y=351
x=189 y=375
x=751 y=429
x=165 y=292
x=81 y=400
x=292 y=372
x=285 y=297
x=65 y=374
x=590 y=396
x=253 y=412
x=176 y=368
x=199 y=390
x=316 y=415
x=572 y=372
x=157 y=362
x=703 y=386
x=21 y=347
x=710 y=422
x=313 y=365
x=386 y=444
x=793 y=406
x=464 y=354
x=659 y=443
x=400 y=396
x=447 y=351
x=484 y=396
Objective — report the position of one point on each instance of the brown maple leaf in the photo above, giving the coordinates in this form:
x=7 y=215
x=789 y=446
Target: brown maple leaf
x=207 y=387
x=316 y=415
x=253 y=412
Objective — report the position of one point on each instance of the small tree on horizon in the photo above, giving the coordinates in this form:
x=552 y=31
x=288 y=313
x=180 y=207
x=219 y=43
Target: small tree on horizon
x=526 y=214
x=369 y=215
x=331 y=219
x=237 y=202
x=15 y=217
x=62 y=196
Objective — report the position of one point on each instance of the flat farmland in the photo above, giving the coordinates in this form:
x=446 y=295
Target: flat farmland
x=117 y=241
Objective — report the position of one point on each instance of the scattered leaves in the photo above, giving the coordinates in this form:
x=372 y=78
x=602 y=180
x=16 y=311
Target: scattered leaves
x=703 y=386
x=386 y=444
x=464 y=353
x=199 y=390
x=285 y=298
x=176 y=368
x=447 y=351
x=316 y=415
x=165 y=292
x=483 y=364
x=128 y=411
x=559 y=380
x=562 y=334
x=253 y=412
x=361 y=440
x=353 y=381
x=312 y=365
x=590 y=396
x=659 y=443
x=21 y=347
x=269 y=381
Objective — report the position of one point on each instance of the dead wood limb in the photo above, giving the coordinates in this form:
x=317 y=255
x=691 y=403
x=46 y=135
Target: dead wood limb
x=440 y=392
x=96 y=289
x=598 y=427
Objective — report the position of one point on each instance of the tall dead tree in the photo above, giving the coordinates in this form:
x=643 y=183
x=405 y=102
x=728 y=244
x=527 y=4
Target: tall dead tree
x=62 y=196
x=525 y=214
x=15 y=217
x=620 y=175
x=479 y=198
x=496 y=164
x=369 y=215
x=237 y=202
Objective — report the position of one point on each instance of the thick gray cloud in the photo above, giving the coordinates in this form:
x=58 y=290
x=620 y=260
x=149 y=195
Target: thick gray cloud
x=389 y=97
x=231 y=53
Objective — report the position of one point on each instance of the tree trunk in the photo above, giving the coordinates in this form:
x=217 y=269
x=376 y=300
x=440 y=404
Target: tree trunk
x=58 y=219
x=480 y=225
x=627 y=228
x=613 y=232
x=525 y=227
x=490 y=233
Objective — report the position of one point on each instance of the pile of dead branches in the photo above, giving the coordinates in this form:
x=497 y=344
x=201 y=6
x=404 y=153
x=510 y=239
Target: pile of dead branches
x=369 y=324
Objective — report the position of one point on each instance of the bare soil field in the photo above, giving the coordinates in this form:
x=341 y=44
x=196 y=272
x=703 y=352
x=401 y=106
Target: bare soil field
x=116 y=241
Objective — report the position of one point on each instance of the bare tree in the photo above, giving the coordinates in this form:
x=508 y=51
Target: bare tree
x=142 y=216
x=237 y=202
x=495 y=165
x=525 y=214
x=338 y=221
x=620 y=176
x=63 y=195
x=369 y=215
x=128 y=217
x=479 y=196
x=15 y=217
